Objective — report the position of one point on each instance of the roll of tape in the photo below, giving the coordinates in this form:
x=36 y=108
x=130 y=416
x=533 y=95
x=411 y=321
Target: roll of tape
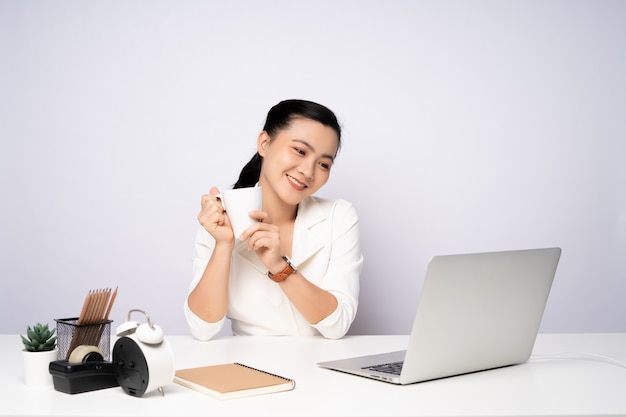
x=85 y=353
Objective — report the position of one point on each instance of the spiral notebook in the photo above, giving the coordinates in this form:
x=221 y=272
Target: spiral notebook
x=232 y=380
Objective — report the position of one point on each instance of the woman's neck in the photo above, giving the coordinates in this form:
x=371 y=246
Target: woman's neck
x=278 y=212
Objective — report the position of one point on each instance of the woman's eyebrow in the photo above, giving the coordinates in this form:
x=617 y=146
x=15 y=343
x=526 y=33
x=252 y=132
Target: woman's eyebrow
x=312 y=149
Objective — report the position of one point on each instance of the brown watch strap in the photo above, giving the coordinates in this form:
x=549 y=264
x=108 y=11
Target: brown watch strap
x=284 y=274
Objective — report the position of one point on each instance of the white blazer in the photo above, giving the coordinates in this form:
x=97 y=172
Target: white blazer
x=325 y=250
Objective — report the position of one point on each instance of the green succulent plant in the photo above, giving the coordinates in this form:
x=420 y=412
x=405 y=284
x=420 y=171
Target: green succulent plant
x=39 y=338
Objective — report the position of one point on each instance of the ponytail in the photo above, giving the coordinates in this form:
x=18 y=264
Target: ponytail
x=250 y=173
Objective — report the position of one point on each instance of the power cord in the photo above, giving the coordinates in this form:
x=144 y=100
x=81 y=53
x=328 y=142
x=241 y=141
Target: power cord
x=592 y=356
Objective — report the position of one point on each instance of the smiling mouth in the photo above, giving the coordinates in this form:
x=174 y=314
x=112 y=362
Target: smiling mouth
x=296 y=184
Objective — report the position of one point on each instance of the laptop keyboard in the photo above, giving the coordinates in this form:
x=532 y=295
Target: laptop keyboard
x=393 y=368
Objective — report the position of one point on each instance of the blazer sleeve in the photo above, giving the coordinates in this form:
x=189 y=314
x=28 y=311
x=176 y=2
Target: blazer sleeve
x=199 y=328
x=344 y=270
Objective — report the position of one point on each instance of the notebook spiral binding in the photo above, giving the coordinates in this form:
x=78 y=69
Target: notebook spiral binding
x=268 y=373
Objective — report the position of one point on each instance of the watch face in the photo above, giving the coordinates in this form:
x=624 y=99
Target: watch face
x=288 y=262
x=131 y=368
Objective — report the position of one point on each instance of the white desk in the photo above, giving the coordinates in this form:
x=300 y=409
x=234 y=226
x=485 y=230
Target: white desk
x=561 y=385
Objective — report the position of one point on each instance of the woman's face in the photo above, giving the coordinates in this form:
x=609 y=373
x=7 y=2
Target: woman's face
x=298 y=160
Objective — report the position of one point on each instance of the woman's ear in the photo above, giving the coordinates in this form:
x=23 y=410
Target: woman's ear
x=263 y=142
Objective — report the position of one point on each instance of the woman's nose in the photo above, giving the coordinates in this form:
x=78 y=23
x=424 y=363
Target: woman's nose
x=307 y=169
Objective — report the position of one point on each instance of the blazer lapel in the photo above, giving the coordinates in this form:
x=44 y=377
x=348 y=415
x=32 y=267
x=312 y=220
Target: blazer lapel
x=305 y=241
x=249 y=256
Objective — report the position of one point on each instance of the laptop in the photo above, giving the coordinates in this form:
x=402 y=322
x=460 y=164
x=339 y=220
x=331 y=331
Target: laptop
x=475 y=312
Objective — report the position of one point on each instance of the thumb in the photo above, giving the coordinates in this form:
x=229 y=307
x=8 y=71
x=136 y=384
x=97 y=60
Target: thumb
x=214 y=191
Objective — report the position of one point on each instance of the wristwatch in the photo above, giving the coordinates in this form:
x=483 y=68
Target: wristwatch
x=282 y=275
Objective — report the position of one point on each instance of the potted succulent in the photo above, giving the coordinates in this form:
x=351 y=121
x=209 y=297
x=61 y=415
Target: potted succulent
x=40 y=348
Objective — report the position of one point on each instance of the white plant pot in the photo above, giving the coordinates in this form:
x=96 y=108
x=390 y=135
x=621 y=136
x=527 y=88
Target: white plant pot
x=36 y=367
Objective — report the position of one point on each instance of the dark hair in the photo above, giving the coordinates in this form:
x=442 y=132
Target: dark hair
x=280 y=117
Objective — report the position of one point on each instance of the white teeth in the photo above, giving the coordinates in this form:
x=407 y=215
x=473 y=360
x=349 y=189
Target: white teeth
x=295 y=181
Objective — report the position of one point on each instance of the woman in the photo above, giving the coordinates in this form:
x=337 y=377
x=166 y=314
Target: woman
x=295 y=271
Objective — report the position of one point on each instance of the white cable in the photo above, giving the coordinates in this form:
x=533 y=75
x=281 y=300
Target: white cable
x=609 y=359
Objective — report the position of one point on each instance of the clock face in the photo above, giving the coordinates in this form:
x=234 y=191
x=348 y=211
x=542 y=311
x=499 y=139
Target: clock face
x=131 y=368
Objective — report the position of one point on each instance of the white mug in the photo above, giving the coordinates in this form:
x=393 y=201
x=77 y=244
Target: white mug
x=238 y=203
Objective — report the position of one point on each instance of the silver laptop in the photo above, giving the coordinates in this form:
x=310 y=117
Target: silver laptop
x=476 y=312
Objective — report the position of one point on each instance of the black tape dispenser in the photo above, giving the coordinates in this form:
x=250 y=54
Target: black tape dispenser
x=84 y=370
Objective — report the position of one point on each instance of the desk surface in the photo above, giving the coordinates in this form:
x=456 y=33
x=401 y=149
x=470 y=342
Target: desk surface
x=564 y=384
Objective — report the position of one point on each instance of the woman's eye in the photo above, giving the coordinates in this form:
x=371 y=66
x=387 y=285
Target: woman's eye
x=325 y=165
x=300 y=151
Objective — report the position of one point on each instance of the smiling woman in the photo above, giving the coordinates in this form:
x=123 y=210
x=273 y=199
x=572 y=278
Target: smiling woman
x=297 y=162
x=251 y=279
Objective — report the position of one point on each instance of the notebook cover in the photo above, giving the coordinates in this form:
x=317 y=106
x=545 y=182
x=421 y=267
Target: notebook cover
x=232 y=380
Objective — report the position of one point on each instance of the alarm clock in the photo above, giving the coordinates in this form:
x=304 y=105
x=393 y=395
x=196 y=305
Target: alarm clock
x=142 y=357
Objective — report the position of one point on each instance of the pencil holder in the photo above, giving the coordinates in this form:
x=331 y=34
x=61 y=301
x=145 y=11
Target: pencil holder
x=70 y=335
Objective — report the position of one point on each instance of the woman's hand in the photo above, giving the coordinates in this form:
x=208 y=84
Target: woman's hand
x=264 y=238
x=213 y=218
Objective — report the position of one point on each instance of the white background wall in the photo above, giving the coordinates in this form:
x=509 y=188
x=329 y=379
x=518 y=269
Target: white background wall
x=469 y=126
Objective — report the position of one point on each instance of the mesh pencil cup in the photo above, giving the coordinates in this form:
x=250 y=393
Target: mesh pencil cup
x=70 y=335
